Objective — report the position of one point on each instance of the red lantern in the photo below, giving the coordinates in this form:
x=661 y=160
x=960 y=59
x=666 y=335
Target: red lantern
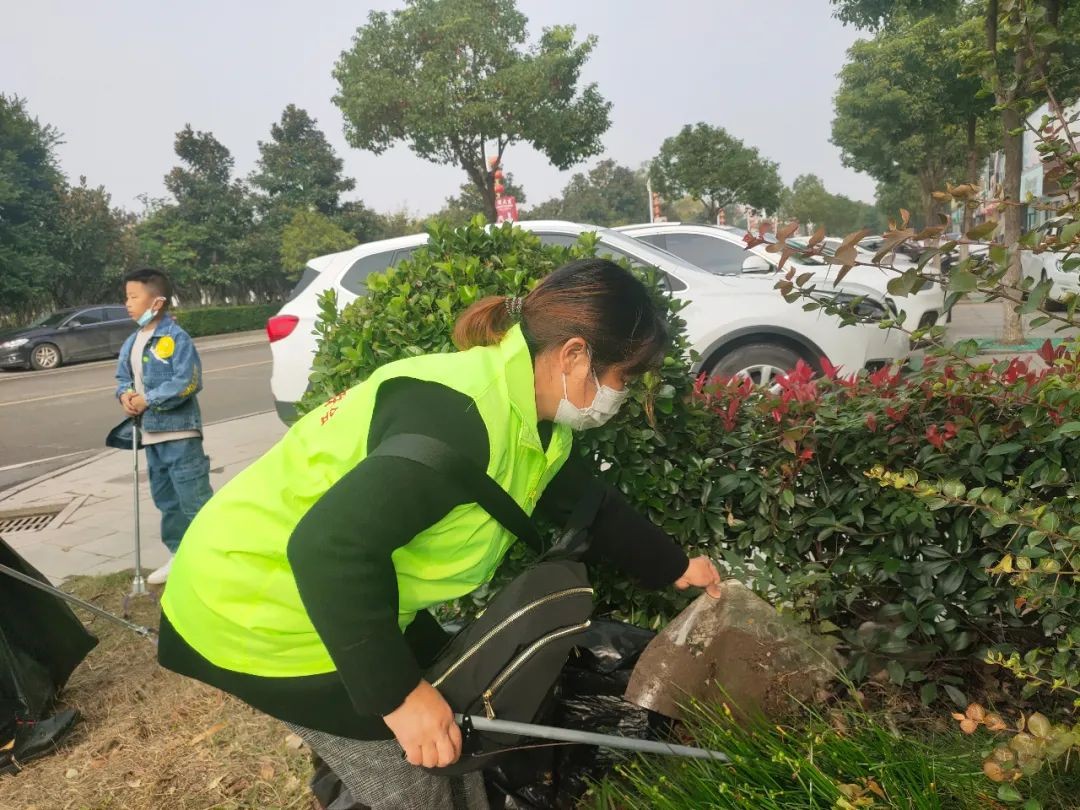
x=499 y=188
x=498 y=174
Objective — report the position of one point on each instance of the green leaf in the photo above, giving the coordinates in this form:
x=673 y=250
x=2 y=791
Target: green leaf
x=1004 y=449
x=929 y=693
x=896 y=672
x=1069 y=233
x=1008 y=793
x=982 y=230
x=957 y=697
x=962 y=281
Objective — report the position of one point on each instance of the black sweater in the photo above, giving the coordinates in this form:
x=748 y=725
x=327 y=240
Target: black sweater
x=349 y=586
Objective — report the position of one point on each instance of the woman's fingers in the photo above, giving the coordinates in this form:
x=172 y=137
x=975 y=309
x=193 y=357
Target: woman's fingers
x=455 y=739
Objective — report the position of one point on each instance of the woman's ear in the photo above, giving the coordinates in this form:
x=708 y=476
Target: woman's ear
x=572 y=353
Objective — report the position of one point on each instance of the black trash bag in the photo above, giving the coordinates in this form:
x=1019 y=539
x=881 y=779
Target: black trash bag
x=588 y=697
x=41 y=643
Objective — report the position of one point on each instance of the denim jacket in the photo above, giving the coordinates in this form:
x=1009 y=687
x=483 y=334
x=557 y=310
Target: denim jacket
x=171 y=375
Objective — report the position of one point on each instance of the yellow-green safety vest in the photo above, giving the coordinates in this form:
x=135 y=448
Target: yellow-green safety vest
x=231 y=593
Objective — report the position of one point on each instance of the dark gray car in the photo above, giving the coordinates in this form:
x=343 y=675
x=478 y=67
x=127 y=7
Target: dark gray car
x=66 y=336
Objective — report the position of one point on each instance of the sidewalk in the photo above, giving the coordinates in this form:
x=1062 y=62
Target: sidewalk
x=94 y=533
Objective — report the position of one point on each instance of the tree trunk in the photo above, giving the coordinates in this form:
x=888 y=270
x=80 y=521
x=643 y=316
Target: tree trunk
x=972 y=178
x=1013 y=148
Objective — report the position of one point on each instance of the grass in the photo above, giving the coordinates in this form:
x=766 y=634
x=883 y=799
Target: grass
x=152 y=740
x=848 y=760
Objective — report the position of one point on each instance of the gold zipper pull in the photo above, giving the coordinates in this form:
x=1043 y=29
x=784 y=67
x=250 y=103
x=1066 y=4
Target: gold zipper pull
x=488 y=708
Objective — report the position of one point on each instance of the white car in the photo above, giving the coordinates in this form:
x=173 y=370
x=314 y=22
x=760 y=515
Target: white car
x=737 y=325
x=1047 y=266
x=723 y=252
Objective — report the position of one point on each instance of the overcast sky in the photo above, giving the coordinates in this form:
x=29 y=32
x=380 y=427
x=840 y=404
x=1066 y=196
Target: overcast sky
x=120 y=77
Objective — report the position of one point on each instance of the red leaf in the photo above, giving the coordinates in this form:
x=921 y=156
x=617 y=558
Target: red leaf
x=1047 y=353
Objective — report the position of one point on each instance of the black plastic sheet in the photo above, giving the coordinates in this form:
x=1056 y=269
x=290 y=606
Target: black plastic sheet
x=41 y=643
x=588 y=697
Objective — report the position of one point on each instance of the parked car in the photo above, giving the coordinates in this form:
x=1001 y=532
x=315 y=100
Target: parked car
x=723 y=252
x=1048 y=266
x=67 y=335
x=736 y=324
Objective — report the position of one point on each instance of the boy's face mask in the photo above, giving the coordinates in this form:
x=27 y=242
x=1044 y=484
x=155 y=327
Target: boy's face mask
x=605 y=405
x=150 y=312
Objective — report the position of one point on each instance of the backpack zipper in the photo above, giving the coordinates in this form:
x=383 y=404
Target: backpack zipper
x=528 y=653
x=513 y=617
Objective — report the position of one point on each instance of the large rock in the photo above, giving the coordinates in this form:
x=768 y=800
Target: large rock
x=736 y=649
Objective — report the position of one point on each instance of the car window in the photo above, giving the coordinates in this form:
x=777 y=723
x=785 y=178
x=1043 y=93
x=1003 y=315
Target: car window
x=715 y=255
x=557 y=239
x=53 y=319
x=657 y=239
x=116 y=314
x=401 y=255
x=87 y=317
x=355 y=277
x=308 y=276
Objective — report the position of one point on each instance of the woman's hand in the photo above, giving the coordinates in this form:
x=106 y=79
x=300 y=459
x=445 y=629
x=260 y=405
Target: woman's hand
x=701 y=573
x=425 y=728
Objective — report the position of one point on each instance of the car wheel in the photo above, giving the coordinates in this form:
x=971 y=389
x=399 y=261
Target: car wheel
x=761 y=362
x=44 y=356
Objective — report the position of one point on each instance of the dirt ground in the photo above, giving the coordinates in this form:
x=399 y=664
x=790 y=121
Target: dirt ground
x=152 y=740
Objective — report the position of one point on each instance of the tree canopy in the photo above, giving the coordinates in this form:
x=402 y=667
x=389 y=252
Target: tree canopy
x=297 y=168
x=906 y=105
x=712 y=166
x=455 y=80
x=609 y=194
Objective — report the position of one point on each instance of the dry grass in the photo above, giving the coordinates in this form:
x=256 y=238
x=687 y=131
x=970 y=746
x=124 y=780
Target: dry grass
x=150 y=739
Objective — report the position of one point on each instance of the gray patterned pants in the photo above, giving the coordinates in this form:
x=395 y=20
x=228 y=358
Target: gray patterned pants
x=376 y=774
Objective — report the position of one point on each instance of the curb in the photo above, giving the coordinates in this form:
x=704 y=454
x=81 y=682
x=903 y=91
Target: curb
x=41 y=479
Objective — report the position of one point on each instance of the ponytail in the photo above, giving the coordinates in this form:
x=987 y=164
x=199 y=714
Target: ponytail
x=485 y=323
x=593 y=299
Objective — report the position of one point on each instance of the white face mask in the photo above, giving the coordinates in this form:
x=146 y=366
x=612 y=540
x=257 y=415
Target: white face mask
x=605 y=405
x=148 y=316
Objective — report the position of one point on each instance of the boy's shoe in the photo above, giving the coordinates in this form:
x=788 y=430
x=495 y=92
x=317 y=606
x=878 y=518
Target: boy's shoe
x=159 y=576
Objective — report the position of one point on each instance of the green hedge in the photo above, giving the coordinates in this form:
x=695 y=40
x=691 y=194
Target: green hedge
x=930 y=520
x=222 y=320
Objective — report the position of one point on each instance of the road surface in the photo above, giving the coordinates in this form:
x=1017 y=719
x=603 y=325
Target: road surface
x=49 y=419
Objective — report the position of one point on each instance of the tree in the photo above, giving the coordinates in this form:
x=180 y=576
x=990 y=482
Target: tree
x=204 y=239
x=808 y=201
x=905 y=107
x=461 y=209
x=94 y=245
x=609 y=195
x=30 y=186
x=453 y=79
x=310 y=234
x=1027 y=49
x=717 y=169
x=893 y=196
x=297 y=168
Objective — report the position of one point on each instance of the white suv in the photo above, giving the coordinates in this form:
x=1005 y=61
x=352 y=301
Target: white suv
x=737 y=325
x=722 y=251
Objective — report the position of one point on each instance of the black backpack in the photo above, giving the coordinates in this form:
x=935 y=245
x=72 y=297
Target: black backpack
x=505 y=662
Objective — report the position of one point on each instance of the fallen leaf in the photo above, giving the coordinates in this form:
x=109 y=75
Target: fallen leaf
x=71 y=773
x=968 y=726
x=215 y=782
x=210 y=732
x=266 y=771
x=294 y=742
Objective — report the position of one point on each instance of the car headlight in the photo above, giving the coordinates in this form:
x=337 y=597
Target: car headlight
x=14 y=344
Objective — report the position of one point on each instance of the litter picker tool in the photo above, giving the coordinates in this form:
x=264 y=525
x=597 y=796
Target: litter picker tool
x=145 y=632
x=568 y=735
x=118 y=437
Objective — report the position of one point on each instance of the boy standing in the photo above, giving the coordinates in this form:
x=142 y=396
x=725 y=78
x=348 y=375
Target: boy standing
x=159 y=374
